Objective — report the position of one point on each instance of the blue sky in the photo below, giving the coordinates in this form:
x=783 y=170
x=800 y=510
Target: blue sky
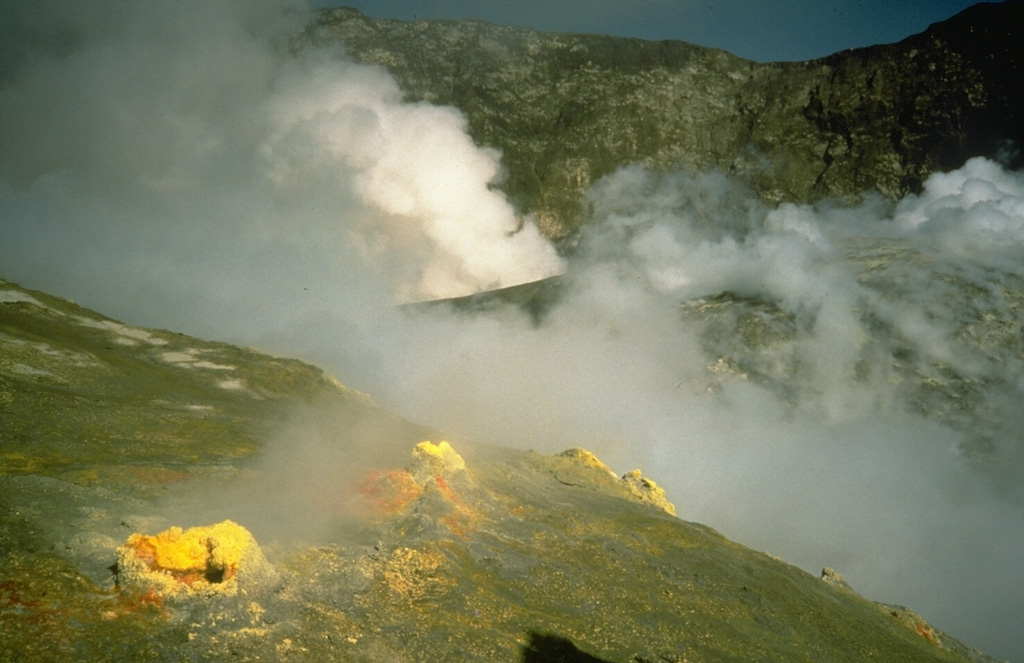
x=762 y=30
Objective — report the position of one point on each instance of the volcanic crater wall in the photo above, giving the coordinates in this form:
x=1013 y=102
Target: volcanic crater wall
x=567 y=109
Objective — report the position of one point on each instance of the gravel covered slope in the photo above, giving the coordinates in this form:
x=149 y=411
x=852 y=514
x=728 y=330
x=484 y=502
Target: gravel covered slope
x=422 y=551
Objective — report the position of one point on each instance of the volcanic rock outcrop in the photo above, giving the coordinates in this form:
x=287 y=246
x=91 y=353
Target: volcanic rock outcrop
x=566 y=109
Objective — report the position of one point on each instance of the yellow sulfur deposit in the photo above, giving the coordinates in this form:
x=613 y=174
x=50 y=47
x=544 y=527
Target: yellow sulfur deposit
x=587 y=459
x=648 y=491
x=203 y=560
x=429 y=459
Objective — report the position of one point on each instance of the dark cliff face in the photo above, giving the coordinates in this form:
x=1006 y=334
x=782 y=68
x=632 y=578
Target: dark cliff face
x=568 y=109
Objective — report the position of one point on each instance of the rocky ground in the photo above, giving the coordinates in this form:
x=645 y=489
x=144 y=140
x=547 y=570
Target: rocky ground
x=143 y=518
x=567 y=109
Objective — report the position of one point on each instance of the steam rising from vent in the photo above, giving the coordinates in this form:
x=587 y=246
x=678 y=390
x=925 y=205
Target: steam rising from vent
x=975 y=213
x=176 y=143
x=838 y=386
x=430 y=215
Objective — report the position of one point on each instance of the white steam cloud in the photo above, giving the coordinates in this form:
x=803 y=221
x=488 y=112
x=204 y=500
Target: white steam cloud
x=838 y=386
x=184 y=129
x=425 y=185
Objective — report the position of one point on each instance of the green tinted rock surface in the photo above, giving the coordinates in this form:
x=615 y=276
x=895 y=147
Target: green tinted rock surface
x=567 y=109
x=509 y=556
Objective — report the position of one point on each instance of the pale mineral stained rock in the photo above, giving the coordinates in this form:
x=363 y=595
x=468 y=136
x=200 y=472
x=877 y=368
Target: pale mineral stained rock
x=648 y=491
x=635 y=482
x=429 y=460
x=834 y=578
x=587 y=459
x=201 y=561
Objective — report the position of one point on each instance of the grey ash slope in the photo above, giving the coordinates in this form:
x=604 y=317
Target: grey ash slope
x=516 y=556
x=567 y=109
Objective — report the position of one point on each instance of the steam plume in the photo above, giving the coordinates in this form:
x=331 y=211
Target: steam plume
x=786 y=373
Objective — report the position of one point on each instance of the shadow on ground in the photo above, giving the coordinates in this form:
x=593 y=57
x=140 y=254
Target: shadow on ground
x=545 y=648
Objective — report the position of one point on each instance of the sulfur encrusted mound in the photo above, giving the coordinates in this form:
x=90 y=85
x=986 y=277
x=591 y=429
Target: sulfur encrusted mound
x=201 y=561
x=587 y=459
x=648 y=491
x=430 y=460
